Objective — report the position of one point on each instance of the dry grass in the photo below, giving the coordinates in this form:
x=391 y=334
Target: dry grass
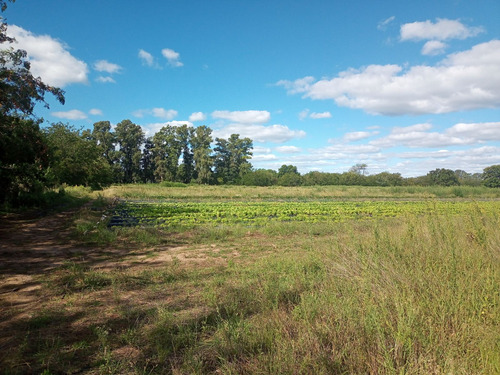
x=412 y=295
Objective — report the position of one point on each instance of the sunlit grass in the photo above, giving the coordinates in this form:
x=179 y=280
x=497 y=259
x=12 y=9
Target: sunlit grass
x=413 y=294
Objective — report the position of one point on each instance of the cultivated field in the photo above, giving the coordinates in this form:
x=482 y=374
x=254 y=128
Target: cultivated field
x=246 y=280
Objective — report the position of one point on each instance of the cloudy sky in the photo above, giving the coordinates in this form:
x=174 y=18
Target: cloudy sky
x=403 y=86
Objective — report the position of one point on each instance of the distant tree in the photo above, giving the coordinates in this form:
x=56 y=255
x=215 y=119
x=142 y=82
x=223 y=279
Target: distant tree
x=130 y=138
x=290 y=179
x=284 y=169
x=186 y=169
x=231 y=158
x=443 y=177
x=385 y=179
x=75 y=160
x=201 y=138
x=359 y=169
x=167 y=151
x=491 y=176
x=260 y=177
x=147 y=161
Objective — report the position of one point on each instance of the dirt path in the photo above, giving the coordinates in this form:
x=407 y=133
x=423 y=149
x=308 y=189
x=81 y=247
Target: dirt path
x=29 y=247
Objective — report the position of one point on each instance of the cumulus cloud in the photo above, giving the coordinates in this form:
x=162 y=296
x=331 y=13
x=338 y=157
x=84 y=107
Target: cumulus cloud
x=146 y=58
x=434 y=47
x=73 y=114
x=162 y=113
x=106 y=66
x=288 y=149
x=260 y=133
x=95 y=112
x=197 y=116
x=462 y=81
x=442 y=29
x=166 y=114
x=105 y=79
x=172 y=57
x=357 y=136
x=460 y=134
x=153 y=128
x=315 y=115
x=50 y=58
x=243 y=117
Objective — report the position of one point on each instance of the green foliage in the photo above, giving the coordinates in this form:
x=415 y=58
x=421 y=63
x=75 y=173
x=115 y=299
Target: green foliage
x=75 y=160
x=130 y=137
x=231 y=158
x=443 y=177
x=260 y=177
x=23 y=158
x=491 y=176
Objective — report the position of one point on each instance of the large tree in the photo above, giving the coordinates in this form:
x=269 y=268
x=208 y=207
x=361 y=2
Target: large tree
x=231 y=158
x=23 y=153
x=74 y=159
x=130 y=138
x=167 y=151
x=491 y=176
x=201 y=138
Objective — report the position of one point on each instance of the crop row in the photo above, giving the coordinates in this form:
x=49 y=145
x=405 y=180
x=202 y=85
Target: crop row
x=259 y=213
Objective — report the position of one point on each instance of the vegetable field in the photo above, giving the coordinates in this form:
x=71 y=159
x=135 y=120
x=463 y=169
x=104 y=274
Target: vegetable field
x=187 y=214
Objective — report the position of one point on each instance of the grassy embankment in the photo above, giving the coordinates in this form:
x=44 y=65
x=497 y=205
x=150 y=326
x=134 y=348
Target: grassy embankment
x=412 y=294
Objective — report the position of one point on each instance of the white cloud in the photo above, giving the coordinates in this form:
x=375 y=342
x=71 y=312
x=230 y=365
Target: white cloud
x=95 y=112
x=197 y=116
x=303 y=114
x=463 y=81
x=165 y=114
x=443 y=29
x=73 y=114
x=146 y=58
x=243 y=117
x=315 y=115
x=106 y=66
x=383 y=24
x=357 y=136
x=298 y=86
x=460 y=134
x=153 y=128
x=261 y=150
x=105 y=79
x=172 y=57
x=50 y=58
x=433 y=47
x=264 y=157
x=260 y=133
x=288 y=149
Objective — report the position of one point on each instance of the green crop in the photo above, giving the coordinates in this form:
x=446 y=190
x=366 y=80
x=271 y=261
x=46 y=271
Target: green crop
x=167 y=214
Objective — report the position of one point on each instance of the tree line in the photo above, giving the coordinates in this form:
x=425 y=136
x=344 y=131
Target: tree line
x=288 y=175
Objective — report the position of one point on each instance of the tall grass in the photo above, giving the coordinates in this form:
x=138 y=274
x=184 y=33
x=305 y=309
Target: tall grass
x=204 y=192
x=417 y=296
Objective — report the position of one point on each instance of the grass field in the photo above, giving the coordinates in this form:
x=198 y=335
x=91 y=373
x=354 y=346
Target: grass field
x=403 y=280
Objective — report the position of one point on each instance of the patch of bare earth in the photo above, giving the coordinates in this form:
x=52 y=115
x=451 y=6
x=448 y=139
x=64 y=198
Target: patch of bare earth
x=34 y=251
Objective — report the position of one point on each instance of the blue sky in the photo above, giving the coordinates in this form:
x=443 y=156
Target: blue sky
x=403 y=86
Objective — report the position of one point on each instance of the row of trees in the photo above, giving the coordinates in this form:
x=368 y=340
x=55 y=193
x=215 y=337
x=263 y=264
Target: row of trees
x=125 y=155
x=288 y=175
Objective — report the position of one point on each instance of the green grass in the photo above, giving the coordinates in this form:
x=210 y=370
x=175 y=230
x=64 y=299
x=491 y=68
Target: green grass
x=411 y=294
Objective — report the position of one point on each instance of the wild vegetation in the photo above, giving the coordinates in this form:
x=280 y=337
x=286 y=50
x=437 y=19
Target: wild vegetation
x=412 y=292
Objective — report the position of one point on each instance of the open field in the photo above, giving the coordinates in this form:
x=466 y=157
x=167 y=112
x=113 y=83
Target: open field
x=319 y=280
